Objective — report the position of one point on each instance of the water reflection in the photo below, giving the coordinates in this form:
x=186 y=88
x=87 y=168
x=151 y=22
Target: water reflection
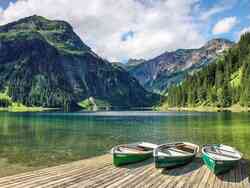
x=42 y=139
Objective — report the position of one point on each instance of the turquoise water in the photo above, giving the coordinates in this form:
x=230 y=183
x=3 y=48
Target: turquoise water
x=44 y=139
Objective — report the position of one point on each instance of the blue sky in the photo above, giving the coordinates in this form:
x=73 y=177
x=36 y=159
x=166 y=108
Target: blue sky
x=5 y=3
x=143 y=28
x=239 y=9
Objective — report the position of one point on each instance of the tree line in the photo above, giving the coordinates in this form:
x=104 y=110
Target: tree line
x=221 y=84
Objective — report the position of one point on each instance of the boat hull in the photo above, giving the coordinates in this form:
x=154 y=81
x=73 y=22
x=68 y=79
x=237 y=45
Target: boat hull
x=218 y=167
x=170 y=162
x=124 y=159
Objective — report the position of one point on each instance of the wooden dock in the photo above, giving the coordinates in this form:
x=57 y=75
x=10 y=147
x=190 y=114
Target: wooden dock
x=99 y=172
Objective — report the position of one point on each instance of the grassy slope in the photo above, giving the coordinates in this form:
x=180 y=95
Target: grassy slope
x=92 y=103
x=233 y=108
x=18 y=107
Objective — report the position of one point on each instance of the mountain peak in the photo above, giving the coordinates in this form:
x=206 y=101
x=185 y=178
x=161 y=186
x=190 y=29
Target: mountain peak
x=36 y=17
x=171 y=68
x=37 y=23
x=44 y=63
x=218 y=41
x=59 y=34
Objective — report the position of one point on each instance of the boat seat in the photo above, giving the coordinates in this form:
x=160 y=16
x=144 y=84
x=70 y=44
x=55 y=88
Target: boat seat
x=179 y=151
x=129 y=150
x=173 y=152
x=220 y=154
x=186 y=148
x=147 y=145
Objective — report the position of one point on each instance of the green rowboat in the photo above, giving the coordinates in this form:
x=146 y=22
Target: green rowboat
x=220 y=158
x=174 y=154
x=132 y=153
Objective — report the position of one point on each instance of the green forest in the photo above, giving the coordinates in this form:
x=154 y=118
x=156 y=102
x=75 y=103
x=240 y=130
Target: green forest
x=221 y=84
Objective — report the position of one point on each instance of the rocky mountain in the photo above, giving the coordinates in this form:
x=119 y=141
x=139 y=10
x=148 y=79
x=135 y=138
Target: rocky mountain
x=131 y=64
x=170 y=68
x=44 y=63
x=222 y=84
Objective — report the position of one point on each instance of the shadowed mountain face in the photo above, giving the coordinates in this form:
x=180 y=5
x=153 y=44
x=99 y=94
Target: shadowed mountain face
x=44 y=63
x=170 y=68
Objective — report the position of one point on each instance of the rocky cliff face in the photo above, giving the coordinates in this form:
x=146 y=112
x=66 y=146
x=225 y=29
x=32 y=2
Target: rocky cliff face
x=44 y=63
x=131 y=64
x=170 y=68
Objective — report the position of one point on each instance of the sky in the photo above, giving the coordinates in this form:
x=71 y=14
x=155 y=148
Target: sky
x=121 y=29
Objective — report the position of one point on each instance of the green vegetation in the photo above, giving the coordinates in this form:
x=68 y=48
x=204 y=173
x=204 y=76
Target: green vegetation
x=57 y=33
x=6 y=104
x=94 y=104
x=44 y=63
x=218 y=85
x=5 y=100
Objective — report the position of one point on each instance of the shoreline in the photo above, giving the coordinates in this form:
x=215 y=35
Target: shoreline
x=234 y=108
x=27 y=109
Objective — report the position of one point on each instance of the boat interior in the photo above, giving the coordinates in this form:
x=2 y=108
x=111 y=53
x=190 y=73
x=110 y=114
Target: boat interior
x=133 y=149
x=221 y=153
x=177 y=150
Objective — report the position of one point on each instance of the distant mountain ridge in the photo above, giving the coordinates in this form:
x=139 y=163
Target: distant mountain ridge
x=223 y=84
x=130 y=64
x=170 y=68
x=44 y=63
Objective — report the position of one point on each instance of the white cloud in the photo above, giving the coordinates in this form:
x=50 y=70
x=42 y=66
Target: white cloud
x=225 y=25
x=243 y=31
x=157 y=25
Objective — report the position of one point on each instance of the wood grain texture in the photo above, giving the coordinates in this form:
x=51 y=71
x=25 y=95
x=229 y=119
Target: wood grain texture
x=99 y=172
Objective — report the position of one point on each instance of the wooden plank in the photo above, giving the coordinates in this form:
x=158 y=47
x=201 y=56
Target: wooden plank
x=192 y=168
x=217 y=182
x=69 y=178
x=82 y=177
x=211 y=180
x=99 y=172
x=46 y=171
x=34 y=174
x=236 y=181
x=113 y=182
x=131 y=182
x=240 y=176
x=38 y=175
x=101 y=178
x=148 y=181
x=244 y=175
x=169 y=179
x=196 y=176
x=30 y=179
x=204 y=179
x=132 y=172
x=190 y=181
x=158 y=180
x=179 y=178
x=230 y=179
x=45 y=179
x=220 y=180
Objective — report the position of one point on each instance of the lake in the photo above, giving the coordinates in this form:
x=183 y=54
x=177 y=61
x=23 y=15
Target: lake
x=36 y=140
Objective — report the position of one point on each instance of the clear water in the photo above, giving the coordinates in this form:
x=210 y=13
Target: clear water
x=35 y=140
